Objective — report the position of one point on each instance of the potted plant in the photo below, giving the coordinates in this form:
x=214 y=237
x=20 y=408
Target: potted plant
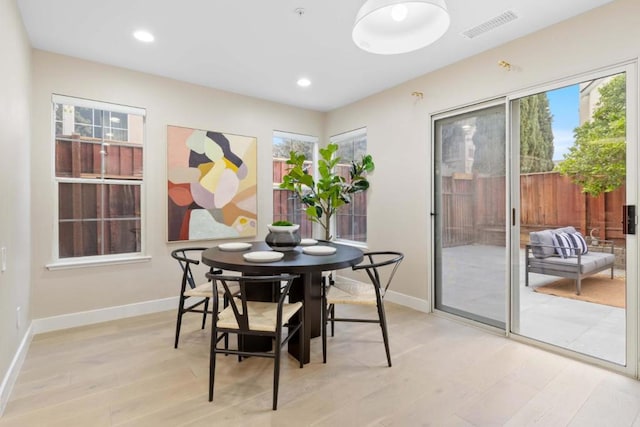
x=325 y=196
x=283 y=236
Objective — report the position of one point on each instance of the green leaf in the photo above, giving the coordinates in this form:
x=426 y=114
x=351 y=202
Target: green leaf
x=331 y=190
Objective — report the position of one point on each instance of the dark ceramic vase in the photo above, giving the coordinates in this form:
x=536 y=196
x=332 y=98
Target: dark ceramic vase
x=283 y=238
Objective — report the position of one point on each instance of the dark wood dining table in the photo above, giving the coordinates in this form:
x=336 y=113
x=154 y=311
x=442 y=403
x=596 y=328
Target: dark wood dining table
x=307 y=288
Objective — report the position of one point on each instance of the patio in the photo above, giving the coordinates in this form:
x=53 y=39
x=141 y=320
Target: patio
x=475 y=274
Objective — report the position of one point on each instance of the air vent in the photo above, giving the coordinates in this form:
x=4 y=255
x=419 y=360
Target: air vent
x=491 y=24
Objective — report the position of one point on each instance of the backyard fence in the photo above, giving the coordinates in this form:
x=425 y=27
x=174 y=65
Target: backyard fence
x=473 y=208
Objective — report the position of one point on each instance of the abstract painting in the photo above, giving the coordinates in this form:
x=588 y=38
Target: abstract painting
x=212 y=184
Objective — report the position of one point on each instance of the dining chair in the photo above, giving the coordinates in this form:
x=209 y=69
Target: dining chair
x=203 y=293
x=245 y=318
x=380 y=266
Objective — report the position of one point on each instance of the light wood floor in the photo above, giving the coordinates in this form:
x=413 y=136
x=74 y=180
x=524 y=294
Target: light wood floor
x=127 y=373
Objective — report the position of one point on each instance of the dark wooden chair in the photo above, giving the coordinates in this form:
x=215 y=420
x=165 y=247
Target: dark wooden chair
x=190 y=290
x=380 y=266
x=245 y=318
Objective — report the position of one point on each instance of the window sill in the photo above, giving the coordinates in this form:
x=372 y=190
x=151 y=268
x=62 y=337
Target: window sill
x=96 y=262
x=353 y=243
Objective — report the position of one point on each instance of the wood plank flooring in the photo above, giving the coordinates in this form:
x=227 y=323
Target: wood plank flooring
x=127 y=373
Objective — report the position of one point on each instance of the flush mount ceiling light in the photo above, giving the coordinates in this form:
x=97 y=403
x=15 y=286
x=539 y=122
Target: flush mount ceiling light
x=398 y=26
x=143 y=36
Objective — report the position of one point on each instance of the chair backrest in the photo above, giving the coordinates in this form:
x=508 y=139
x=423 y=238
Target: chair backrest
x=237 y=299
x=375 y=263
x=186 y=257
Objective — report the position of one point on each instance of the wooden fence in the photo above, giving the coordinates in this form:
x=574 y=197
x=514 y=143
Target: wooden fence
x=96 y=218
x=473 y=208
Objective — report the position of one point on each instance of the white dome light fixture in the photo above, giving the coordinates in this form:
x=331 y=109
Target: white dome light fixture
x=390 y=27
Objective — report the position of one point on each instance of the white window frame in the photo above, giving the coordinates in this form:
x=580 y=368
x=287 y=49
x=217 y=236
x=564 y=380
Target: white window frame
x=315 y=150
x=96 y=260
x=341 y=138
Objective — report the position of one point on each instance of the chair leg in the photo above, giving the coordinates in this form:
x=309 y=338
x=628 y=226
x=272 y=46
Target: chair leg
x=276 y=373
x=212 y=360
x=324 y=329
x=178 y=322
x=226 y=336
x=385 y=334
x=332 y=307
x=301 y=338
x=204 y=315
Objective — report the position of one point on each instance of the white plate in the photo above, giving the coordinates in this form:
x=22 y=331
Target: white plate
x=319 y=250
x=308 y=242
x=234 y=246
x=263 y=256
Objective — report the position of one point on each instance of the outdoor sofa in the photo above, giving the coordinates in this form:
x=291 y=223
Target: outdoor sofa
x=555 y=252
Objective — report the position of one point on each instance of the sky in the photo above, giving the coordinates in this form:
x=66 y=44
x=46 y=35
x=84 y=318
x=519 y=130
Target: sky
x=564 y=104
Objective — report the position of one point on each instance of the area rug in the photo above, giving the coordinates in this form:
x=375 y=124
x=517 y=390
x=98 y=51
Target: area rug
x=599 y=289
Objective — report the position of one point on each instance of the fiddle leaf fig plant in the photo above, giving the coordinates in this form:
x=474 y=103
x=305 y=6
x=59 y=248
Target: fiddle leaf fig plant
x=325 y=196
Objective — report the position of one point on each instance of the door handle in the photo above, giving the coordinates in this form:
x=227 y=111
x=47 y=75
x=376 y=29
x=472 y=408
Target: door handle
x=629 y=219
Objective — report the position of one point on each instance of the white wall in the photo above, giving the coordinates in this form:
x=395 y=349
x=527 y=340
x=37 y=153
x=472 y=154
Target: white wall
x=399 y=131
x=15 y=183
x=168 y=102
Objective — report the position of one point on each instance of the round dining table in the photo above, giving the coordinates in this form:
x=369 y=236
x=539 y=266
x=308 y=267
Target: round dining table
x=306 y=288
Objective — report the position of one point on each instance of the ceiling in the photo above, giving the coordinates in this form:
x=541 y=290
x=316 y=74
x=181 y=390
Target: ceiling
x=261 y=48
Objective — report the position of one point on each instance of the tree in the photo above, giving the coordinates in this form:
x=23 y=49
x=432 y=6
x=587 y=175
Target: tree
x=597 y=160
x=283 y=146
x=489 y=142
x=536 y=135
x=536 y=138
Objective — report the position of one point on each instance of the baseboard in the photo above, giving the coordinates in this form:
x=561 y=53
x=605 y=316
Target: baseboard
x=408 y=301
x=83 y=318
x=398 y=298
x=14 y=369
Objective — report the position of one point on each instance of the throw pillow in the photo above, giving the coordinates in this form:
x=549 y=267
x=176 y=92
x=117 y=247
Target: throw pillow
x=562 y=244
x=578 y=242
x=542 y=243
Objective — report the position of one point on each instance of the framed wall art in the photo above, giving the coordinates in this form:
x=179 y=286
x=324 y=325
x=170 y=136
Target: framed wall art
x=212 y=184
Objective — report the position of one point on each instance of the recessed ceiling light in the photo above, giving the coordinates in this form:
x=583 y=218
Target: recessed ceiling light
x=304 y=82
x=143 y=36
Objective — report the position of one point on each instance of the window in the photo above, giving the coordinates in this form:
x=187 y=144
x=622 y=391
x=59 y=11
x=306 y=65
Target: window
x=99 y=178
x=286 y=206
x=351 y=219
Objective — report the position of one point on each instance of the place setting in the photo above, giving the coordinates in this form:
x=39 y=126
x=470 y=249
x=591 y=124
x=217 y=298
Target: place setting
x=308 y=242
x=234 y=246
x=263 y=256
x=255 y=256
x=319 y=250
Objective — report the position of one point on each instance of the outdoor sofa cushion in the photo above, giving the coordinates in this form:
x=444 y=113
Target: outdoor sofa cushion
x=543 y=242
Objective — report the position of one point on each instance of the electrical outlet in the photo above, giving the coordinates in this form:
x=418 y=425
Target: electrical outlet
x=18 y=318
x=4 y=258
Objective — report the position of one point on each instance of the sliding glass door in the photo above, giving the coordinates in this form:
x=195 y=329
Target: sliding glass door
x=563 y=157
x=469 y=214
x=573 y=164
